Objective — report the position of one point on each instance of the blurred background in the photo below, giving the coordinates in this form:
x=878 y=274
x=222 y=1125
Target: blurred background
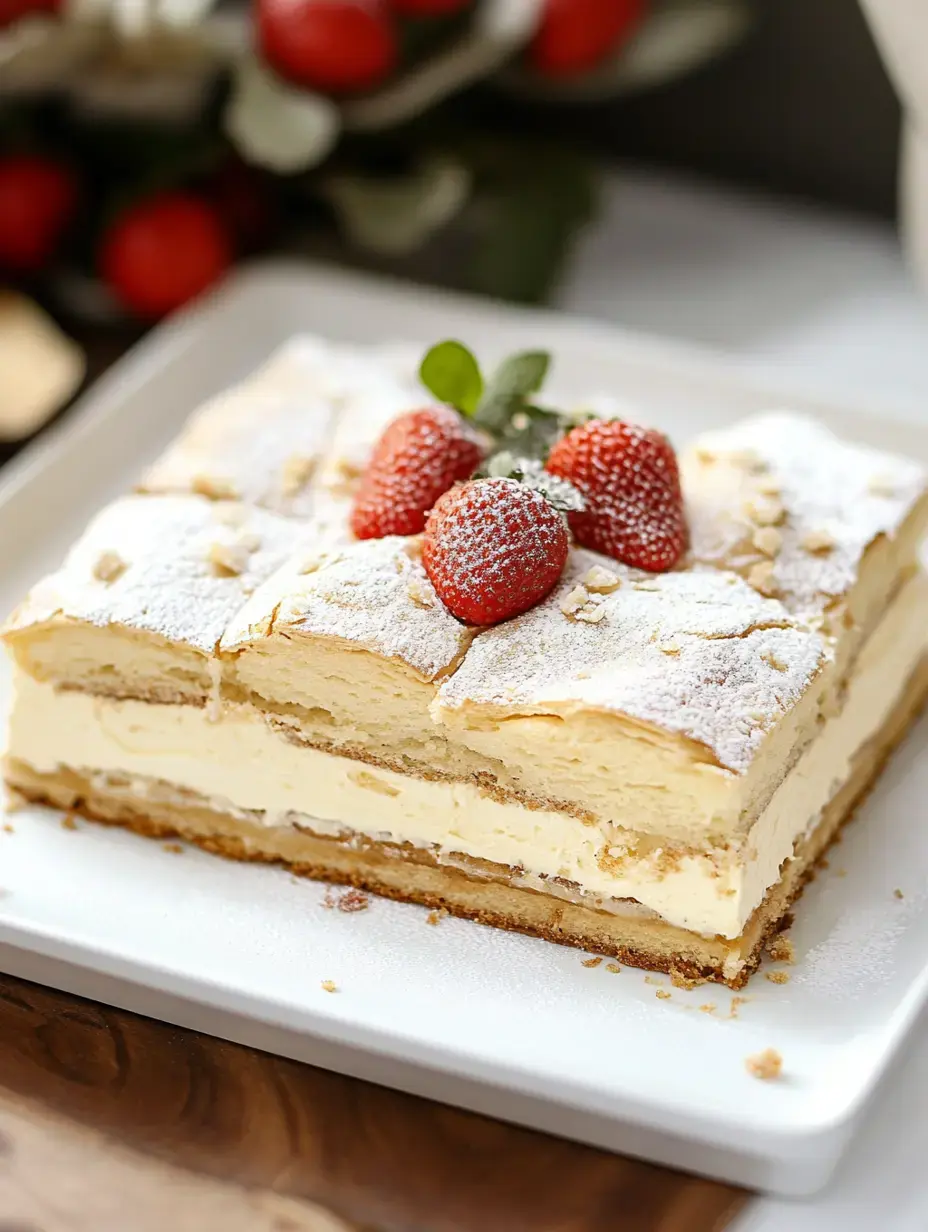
x=146 y=146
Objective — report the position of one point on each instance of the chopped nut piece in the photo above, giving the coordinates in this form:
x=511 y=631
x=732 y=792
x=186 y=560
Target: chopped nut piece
x=768 y=485
x=818 y=542
x=213 y=488
x=767 y=539
x=590 y=615
x=777 y=977
x=591 y=962
x=574 y=600
x=231 y=514
x=109 y=567
x=229 y=559
x=329 y=986
x=761 y=578
x=768 y=512
x=765 y=1065
x=297 y=472
x=602 y=581
x=420 y=592
x=748 y=459
x=881 y=485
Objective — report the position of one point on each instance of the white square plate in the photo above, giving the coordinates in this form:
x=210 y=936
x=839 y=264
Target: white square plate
x=508 y=1025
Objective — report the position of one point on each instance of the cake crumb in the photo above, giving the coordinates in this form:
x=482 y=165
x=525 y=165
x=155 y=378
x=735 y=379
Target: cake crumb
x=780 y=949
x=68 y=822
x=109 y=568
x=736 y=1003
x=591 y=962
x=765 y=1065
x=649 y=979
x=9 y=829
x=777 y=977
x=709 y=1008
x=329 y=986
x=353 y=899
x=679 y=980
x=176 y=848
x=823 y=862
x=436 y=916
x=768 y=512
x=771 y=660
x=663 y=994
x=12 y=800
x=898 y=894
x=615 y=968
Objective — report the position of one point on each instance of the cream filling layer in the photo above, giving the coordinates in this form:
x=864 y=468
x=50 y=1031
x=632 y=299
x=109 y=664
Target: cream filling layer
x=241 y=762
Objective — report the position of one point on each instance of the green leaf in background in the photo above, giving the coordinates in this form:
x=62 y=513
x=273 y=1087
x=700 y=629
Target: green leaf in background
x=450 y=371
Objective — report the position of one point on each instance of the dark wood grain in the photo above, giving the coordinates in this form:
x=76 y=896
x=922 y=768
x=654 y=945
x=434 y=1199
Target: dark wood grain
x=380 y=1159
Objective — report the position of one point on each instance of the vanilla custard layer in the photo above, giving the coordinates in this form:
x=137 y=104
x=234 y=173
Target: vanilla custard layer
x=241 y=763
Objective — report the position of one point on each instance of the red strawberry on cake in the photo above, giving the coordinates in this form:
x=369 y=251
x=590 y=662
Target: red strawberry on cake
x=630 y=483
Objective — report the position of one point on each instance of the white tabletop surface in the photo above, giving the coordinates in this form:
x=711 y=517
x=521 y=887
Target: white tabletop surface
x=820 y=301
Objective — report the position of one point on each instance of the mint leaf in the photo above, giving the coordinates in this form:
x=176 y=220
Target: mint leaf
x=519 y=375
x=508 y=392
x=452 y=374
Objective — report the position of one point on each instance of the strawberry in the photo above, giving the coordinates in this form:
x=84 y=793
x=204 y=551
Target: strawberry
x=629 y=479
x=492 y=549
x=418 y=457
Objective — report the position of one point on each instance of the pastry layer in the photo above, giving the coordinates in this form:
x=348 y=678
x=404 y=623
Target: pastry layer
x=483 y=892
x=251 y=764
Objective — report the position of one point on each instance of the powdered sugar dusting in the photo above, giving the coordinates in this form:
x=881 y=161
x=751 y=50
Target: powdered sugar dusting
x=689 y=652
x=267 y=440
x=828 y=499
x=373 y=595
x=169 y=585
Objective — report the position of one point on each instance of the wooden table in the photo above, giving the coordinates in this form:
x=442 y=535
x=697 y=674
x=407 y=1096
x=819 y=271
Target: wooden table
x=110 y=1122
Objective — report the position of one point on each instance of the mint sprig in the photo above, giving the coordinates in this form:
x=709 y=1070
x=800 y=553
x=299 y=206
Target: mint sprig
x=502 y=405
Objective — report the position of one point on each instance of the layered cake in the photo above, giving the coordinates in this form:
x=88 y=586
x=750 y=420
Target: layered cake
x=643 y=761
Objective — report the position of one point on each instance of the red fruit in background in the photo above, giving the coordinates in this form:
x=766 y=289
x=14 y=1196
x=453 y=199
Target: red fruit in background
x=418 y=458
x=428 y=8
x=630 y=482
x=38 y=198
x=492 y=549
x=576 y=35
x=162 y=252
x=336 y=46
x=13 y=10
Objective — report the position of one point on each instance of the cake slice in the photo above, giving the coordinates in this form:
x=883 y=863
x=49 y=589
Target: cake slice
x=647 y=765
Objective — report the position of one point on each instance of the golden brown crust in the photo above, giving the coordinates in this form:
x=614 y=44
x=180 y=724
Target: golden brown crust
x=411 y=874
